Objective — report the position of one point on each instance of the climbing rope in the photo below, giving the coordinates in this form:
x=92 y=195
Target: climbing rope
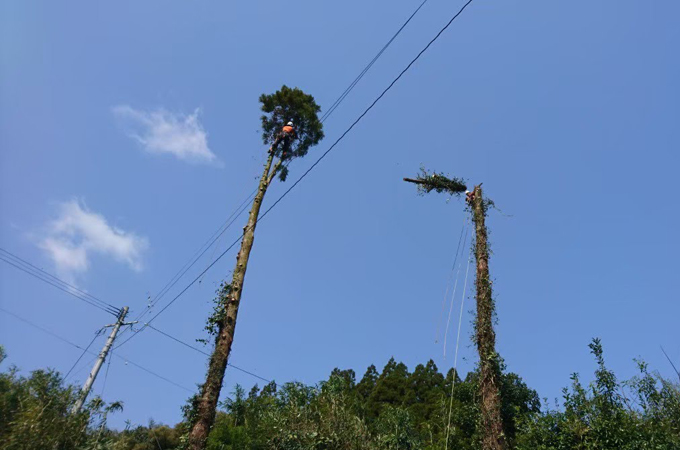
x=455 y=286
x=448 y=284
x=455 y=357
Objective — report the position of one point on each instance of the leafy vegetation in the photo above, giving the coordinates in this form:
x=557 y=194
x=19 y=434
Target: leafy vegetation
x=291 y=104
x=279 y=107
x=642 y=413
x=388 y=410
x=35 y=413
x=438 y=182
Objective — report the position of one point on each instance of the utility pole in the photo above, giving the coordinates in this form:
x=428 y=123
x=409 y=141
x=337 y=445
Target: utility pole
x=100 y=359
x=493 y=437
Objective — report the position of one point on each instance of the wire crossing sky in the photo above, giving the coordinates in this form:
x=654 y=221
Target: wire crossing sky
x=555 y=107
x=214 y=239
x=28 y=268
x=87 y=351
x=323 y=155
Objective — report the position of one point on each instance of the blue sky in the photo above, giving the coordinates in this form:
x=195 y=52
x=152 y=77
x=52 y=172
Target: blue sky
x=129 y=133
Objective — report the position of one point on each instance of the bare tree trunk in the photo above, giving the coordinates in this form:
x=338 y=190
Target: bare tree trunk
x=489 y=373
x=209 y=395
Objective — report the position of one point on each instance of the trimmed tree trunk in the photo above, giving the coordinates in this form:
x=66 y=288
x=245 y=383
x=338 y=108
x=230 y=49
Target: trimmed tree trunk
x=489 y=373
x=209 y=395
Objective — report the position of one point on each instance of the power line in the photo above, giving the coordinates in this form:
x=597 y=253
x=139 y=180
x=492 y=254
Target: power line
x=670 y=361
x=220 y=231
x=25 y=266
x=45 y=330
x=205 y=353
x=337 y=141
x=43 y=273
x=349 y=89
x=106 y=376
x=84 y=366
x=85 y=350
x=198 y=254
x=388 y=88
x=153 y=373
x=176 y=297
x=47 y=281
x=178 y=340
x=230 y=220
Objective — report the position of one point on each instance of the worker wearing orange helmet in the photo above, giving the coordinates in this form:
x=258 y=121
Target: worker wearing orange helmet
x=284 y=138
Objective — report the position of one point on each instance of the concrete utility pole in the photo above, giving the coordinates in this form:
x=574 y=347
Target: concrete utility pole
x=100 y=360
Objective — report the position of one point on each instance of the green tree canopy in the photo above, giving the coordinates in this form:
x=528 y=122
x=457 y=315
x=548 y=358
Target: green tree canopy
x=392 y=410
x=291 y=104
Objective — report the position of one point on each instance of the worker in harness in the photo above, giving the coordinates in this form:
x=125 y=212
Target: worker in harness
x=285 y=138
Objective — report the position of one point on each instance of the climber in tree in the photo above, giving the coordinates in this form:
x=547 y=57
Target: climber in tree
x=284 y=138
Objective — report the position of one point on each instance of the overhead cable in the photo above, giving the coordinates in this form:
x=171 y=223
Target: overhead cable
x=353 y=84
x=337 y=141
x=89 y=352
x=206 y=353
x=85 y=350
x=25 y=266
x=197 y=255
x=220 y=231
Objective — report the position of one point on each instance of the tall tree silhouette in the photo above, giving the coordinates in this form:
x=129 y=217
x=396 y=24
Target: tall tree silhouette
x=280 y=107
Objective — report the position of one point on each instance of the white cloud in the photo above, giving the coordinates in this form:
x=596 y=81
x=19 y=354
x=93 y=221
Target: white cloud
x=77 y=233
x=161 y=131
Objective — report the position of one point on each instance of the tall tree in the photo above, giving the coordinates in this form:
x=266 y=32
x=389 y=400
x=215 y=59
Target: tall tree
x=391 y=387
x=367 y=384
x=493 y=437
x=428 y=386
x=284 y=105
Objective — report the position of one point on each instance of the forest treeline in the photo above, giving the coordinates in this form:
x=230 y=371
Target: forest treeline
x=389 y=409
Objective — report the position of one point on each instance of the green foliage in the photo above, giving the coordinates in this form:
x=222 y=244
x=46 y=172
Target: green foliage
x=394 y=430
x=150 y=437
x=283 y=173
x=642 y=414
x=439 y=182
x=397 y=409
x=427 y=385
x=367 y=383
x=392 y=409
x=291 y=104
x=391 y=388
x=215 y=321
x=189 y=413
x=35 y=414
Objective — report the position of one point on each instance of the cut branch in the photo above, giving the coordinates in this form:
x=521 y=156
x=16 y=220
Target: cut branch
x=428 y=182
